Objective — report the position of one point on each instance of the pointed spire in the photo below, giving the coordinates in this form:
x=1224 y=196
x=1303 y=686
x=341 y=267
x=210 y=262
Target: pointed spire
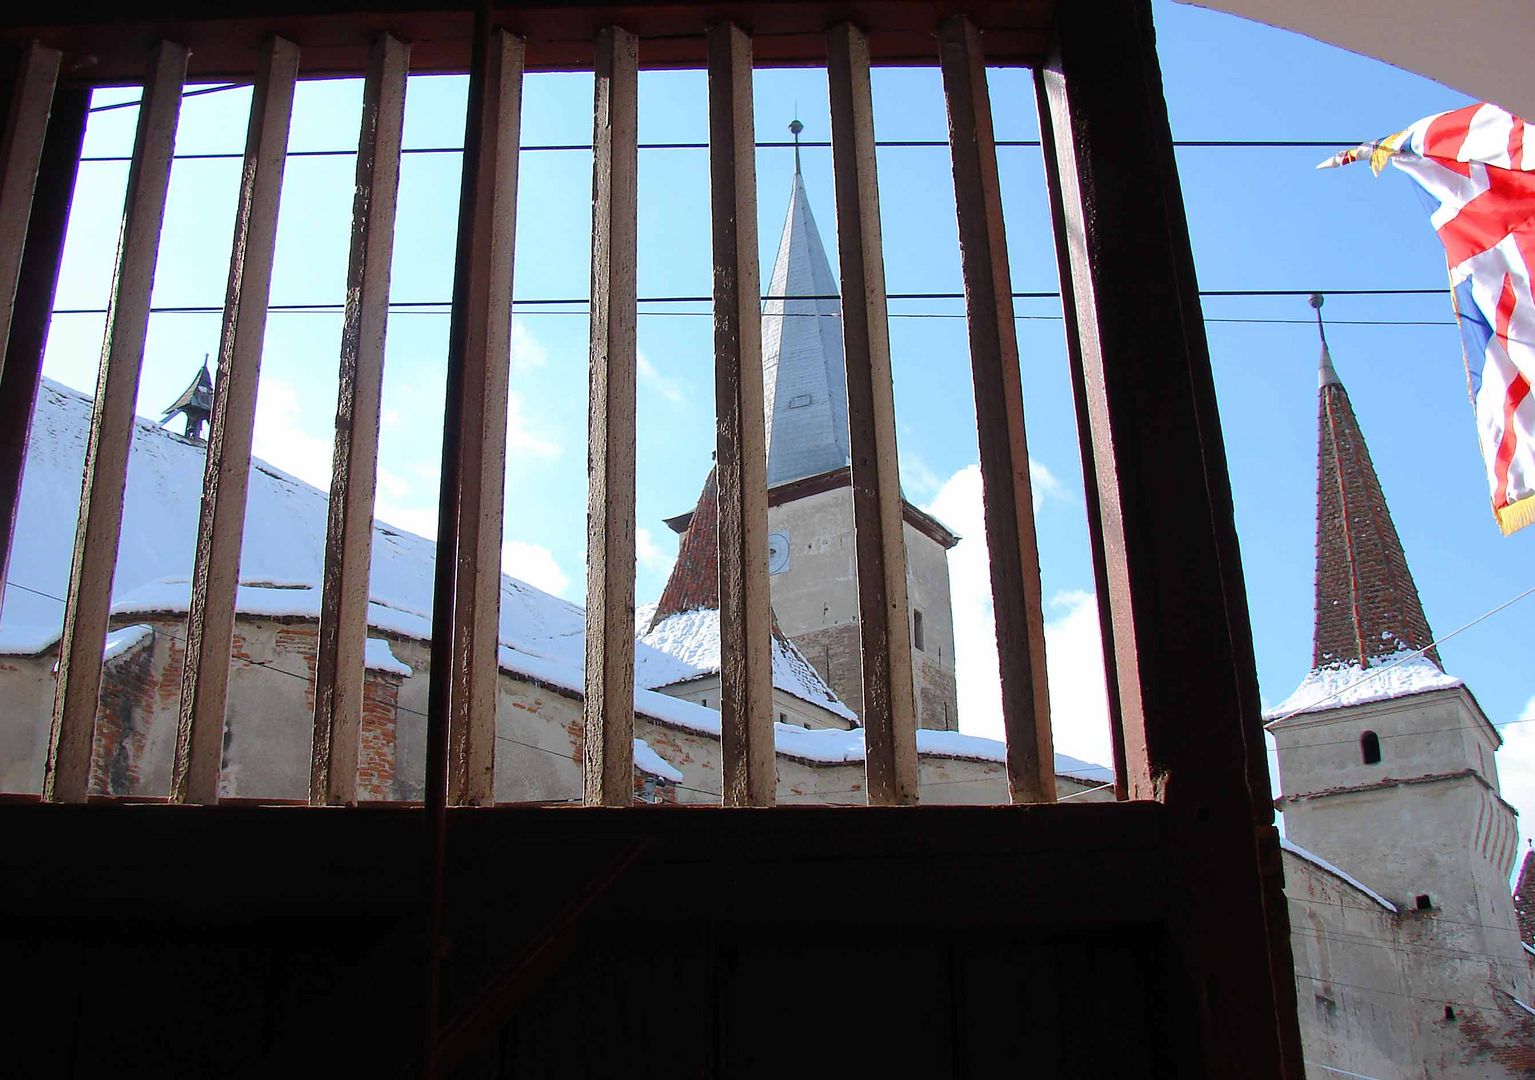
x=795 y=127
x=1327 y=373
x=804 y=376
x=195 y=402
x=1367 y=604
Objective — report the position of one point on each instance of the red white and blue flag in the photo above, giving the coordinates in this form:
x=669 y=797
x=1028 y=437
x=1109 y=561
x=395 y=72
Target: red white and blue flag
x=1477 y=168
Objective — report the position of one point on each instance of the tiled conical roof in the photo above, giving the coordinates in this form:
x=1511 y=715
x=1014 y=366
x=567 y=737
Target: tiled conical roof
x=804 y=374
x=1367 y=605
x=695 y=579
x=1524 y=899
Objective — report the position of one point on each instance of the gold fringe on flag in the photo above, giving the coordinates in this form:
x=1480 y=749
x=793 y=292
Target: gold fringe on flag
x=1516 y=516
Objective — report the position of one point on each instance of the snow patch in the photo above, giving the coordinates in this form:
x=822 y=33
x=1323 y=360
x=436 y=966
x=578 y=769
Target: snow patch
x=1316 y=860
x=126 y=640
x=377 y=656
x=687 y=646
x=647 y=760
x=1348 y=684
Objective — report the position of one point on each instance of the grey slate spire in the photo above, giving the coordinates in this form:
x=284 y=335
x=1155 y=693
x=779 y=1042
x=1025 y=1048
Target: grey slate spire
x=195 y=403
x=804 y=375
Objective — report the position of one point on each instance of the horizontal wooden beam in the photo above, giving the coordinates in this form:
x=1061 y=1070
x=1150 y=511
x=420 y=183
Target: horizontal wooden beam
x=105 y=43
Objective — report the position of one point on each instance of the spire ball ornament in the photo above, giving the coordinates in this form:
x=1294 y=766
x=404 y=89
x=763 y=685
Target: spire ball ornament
x=795 y=127
x=1316 y=301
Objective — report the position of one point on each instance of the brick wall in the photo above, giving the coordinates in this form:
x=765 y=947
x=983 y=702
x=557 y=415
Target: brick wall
x=376 y=754
x=130 y=688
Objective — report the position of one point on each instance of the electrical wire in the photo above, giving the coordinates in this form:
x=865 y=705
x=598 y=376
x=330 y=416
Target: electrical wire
x=769 y=144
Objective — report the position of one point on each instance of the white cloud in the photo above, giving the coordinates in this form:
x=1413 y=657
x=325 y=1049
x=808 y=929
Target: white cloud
x=916 y=477
x=651 y=555
x=283 y=437
x=673 y=390
x=534 y=564
x=520 y=436
x=1073 y=649
x=528 y=352
x=1516 y=773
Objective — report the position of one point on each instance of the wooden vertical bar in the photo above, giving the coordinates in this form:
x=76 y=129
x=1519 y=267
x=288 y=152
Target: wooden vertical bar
x=1183 y=656
x=1086 y=450
x=889 y=715
x=484 y=334
x=609 y=707
x=66 y=777
x=1004 y=450
x=21 y=151
x=339 y=664
x=33 y=309
x=221 y=522
x=477 y=348
x=746 y=609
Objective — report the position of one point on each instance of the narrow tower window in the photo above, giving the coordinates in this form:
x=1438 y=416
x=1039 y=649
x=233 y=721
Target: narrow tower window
x=1369 y=748
x=916 y=629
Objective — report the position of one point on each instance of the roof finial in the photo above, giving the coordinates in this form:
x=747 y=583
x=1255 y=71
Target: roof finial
x=795 y=127
x=1326 y=375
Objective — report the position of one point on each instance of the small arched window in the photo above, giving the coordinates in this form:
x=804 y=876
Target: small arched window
x=1369 y=748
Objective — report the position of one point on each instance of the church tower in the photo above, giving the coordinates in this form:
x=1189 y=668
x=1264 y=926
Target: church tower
x=810 y=502
x=1387 y=764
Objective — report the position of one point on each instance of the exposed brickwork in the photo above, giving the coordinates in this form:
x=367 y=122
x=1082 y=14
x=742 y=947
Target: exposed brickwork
x=1367 y=605
x=1524 y=899
x=376 y=753
x=834 y=652
x=129 y=688
x=937 y=695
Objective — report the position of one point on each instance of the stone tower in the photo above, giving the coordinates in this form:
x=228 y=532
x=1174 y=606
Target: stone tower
x=810 y=504
x=1387 y=764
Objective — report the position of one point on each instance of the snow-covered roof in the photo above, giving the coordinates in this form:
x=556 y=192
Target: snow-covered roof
x=1333 y=687
x=686 y=646
x=281 y=558
x=1343 y=875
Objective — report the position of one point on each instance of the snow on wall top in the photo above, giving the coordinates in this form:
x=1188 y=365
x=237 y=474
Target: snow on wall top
x=687 y=646
x=281 y=557
x=1321 y=863
x=1335 y=686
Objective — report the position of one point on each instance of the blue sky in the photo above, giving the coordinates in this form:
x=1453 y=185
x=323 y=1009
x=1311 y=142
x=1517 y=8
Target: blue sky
x=1259 y=218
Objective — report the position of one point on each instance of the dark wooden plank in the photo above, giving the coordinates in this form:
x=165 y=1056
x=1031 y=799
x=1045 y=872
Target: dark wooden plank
x=66 y=776
x=1095 y=533
x=889 y=713
x=106 y=43
x=1017 y=596
x=221 y=521
x=609 y=706
x=746 y=608
x=483 y=333
x=1183 y=660
x=340 y=661
x=21 y=152
x=33 y=309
